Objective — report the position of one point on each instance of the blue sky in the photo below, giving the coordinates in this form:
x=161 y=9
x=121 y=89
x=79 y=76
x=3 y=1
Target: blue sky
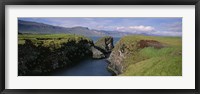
x=157 y=26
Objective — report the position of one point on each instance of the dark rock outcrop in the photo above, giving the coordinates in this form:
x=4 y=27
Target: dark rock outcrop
x=41 y=56
x=102 y=47
x=96 y=53
x=116 y=59
x=105 y=44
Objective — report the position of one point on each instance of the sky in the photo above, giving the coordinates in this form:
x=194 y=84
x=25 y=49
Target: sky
x=136 y=25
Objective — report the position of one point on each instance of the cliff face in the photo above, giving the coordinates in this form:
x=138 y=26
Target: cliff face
x=105 y=44
x=124 y=50
x=117 y=57
x=146 y=55
x=97 y=54
x=102 y=47
x=39 y=54
x=42 y=55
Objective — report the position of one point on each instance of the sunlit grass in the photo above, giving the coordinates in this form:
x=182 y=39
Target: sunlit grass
x=52 y=41
x=48 y=38
x=150 y=61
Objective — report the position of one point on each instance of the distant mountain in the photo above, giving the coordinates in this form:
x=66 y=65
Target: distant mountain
x=40 y=28
x=115 y=33
x=34 y=27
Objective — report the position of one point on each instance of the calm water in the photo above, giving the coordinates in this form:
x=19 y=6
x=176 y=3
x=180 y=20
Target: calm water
x=91 y=67
x=86 y=68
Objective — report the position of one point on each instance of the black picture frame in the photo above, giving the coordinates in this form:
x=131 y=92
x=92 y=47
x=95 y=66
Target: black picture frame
x=98 y=2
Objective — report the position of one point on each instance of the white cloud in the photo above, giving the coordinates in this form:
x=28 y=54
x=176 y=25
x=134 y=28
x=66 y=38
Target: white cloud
x=149 y=30
x=142 y=28
x=134 y=29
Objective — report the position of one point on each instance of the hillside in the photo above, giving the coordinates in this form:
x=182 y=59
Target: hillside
x=40 y=28
x=147 y=56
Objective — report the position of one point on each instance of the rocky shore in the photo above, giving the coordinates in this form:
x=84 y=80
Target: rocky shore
x=131 y=55
x=41 y=55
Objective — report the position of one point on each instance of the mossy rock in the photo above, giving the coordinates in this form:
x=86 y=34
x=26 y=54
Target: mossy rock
x=105 y=44
x=97 y=54
x=37 y=56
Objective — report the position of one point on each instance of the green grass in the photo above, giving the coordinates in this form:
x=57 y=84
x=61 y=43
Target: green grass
x=47 y=38
x=155 y=62
x=51 y=36
x=149 y=61
x=53 y=41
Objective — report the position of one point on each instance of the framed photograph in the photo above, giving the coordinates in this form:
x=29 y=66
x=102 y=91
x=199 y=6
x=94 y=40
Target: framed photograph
x=123 y=47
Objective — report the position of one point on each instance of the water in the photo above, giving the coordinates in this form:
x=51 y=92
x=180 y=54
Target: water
x=90 y=67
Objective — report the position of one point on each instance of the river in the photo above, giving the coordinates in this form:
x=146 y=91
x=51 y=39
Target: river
x=89 y=67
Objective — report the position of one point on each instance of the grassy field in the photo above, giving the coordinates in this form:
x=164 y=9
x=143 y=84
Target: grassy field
x=47 y=39
x=150 y=61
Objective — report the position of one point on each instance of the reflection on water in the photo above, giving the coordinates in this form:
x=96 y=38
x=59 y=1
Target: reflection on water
x=89 y=67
